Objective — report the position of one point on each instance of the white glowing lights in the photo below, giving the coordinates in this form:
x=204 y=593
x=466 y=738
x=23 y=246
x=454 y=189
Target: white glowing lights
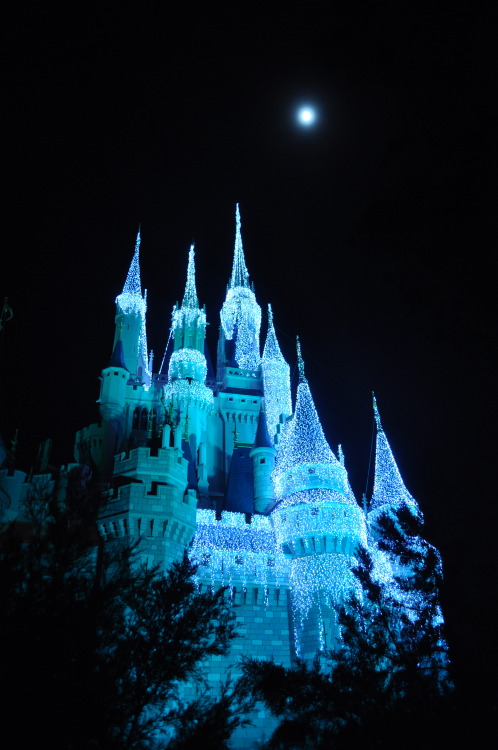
x=389 y=488
x=185 y=392
x=187 y=363
x=241 y=314
x=240 y=274
x=189 y=315
x=186 y=375
x=130 y=300
x=276 y=380
x=233 y=552
x=190 y=296
x=304 y=459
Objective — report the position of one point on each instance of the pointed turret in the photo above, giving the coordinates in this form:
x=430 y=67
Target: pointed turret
x=318 y=524
x=263 y=462
x=190 y=296
x=276 y=382
x=389 y=489
x=189 y=321
x=240 y=275
x=305 y=460
x=241 y=314
x=130 y=299
x=131 y=309
x=186 y=394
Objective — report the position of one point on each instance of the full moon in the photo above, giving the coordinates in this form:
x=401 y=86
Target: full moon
x=306 y=116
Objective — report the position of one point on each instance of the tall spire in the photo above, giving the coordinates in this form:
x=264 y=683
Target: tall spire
x=130 y=299
x=304 y=441
x=240 y=275
x=241 y=314
x=276 y=381
x=189 y=321
x=271 y=351
x=389 y=488
x=300 y=362
x=190 y=296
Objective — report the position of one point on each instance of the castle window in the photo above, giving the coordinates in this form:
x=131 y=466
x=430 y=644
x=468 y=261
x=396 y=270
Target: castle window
x=206 y=559
x=116 y=373
x=239 y=560
x=270 y=562
x=315 y=511
x=262 y=460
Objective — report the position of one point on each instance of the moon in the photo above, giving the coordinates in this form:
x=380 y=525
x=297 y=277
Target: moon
x=306 y=116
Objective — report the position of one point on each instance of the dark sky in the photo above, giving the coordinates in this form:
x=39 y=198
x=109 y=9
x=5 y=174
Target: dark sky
x=370 y=233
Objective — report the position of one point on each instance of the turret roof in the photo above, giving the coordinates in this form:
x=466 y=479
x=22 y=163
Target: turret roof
x=117 y=357
x=389 y=488
x=240 y=274
x=262 y=439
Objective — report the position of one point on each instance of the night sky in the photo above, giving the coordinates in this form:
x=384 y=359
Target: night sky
x=370 y=232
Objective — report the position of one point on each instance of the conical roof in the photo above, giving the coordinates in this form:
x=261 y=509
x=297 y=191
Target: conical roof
x=389 y=488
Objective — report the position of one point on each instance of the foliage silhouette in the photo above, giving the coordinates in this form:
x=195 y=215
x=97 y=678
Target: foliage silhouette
x=387 y=683
x=94 y=647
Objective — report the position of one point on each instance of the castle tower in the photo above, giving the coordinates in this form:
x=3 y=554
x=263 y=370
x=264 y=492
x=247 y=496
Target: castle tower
x=318 y=523
x=263 y=461
x=240 y=314
x=186 y=397
x=131 y=309
x=111 y=406
x=389 y=492
x=276 y=382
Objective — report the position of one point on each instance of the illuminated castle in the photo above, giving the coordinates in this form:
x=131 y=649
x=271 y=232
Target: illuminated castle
x=220 y=462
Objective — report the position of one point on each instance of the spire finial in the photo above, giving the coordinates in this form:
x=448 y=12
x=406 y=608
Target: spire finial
x=131 y=297
x=376 y=412
x=300 y=362
x=240 y=275
x=190 y=296
x=270 y=316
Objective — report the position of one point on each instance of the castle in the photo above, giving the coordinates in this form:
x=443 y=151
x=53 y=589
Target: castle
x=219 y=461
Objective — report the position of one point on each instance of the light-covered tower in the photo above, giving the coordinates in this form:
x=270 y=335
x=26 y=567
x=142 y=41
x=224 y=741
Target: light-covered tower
x=276 y=382
x=186 y=397
x=241 y=314
x=318 y=524
x=131 y=309
x=389 y=492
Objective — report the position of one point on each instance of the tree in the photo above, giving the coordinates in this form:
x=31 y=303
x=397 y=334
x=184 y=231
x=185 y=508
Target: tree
x=94 y=648
x=387 y=683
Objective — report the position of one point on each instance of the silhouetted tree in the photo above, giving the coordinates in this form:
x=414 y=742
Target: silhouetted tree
x=94 y=648
x=387 y=683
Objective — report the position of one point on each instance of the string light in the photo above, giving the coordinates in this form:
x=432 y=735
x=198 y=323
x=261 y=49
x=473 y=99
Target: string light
x=276 y=380
x=131 y=300
x=389 y=488
x=231 y=551
x=189 y=315
x=241 y=314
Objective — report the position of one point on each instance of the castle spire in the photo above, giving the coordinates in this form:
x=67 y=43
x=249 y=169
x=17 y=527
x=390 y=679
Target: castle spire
x=300 y=362
x=389 y=488
x=130 y=299
x=271 y=351
x=241 y=314
x=303 y=441
x=276 y=382
x=189 y=321
x=130 y=318
x=190 y=296
x=240 y=274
